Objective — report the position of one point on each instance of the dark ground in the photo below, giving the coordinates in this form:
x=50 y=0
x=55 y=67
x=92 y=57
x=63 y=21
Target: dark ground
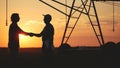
x=68 y=58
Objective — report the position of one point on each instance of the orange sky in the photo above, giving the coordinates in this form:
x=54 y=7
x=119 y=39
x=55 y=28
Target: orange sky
x=31 y=11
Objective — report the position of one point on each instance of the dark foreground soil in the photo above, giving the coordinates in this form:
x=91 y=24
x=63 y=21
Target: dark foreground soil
x=66 y=58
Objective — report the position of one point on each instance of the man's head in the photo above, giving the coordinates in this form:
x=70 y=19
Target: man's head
x=47 y=18
x=15 y=17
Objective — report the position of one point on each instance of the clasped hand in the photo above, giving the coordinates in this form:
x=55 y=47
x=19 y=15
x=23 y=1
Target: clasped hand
x=31 y=34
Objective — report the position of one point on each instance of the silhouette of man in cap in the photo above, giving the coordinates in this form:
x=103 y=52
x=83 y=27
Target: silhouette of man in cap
x=47 y=34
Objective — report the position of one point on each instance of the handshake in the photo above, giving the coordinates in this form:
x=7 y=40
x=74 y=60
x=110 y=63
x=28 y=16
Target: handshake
x=31 y=34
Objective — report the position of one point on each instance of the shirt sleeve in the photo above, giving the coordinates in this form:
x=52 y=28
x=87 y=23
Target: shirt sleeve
x=21 y=31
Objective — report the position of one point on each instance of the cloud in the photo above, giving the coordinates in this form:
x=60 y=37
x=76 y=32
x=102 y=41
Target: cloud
x=106 y=21
x=32 y=22
x=60 y=20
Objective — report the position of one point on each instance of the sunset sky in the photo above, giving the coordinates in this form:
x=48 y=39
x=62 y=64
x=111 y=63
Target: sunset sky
x=31 y=20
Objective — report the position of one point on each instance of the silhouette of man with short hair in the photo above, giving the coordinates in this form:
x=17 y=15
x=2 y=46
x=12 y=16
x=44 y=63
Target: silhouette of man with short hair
x=14 y=31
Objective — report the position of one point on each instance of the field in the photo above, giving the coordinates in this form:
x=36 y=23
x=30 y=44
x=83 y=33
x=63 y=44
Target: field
x=86 y=57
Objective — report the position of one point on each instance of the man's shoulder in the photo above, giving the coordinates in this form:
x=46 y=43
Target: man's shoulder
x=49 y=25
